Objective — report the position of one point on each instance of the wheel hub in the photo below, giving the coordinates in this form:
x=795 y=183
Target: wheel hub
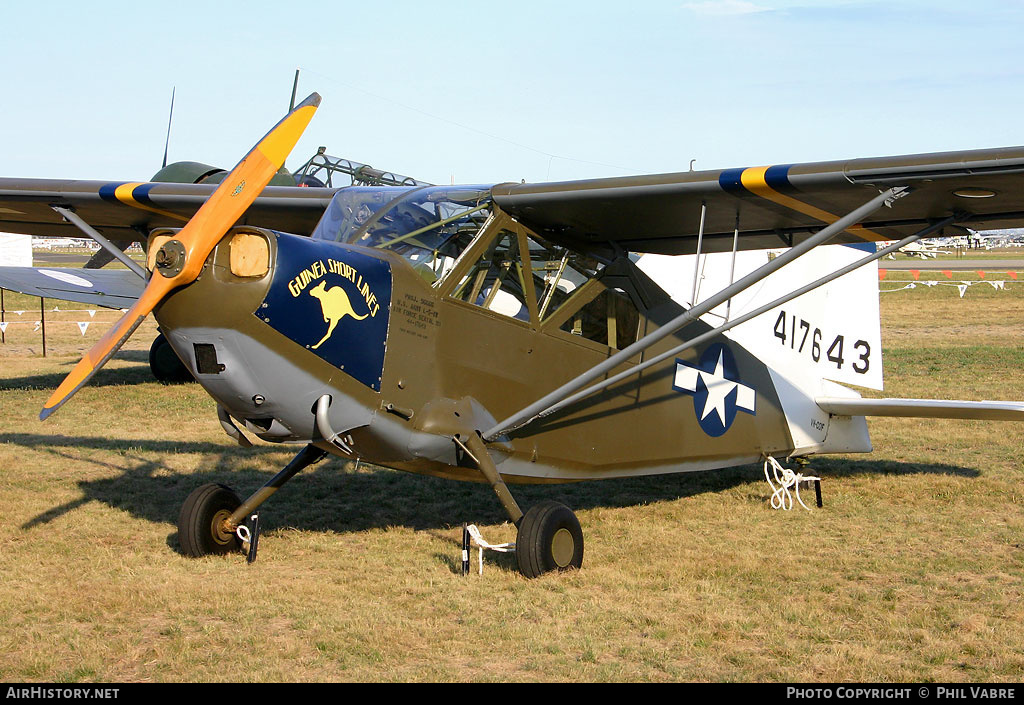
x=219 y=529
x=562 y=548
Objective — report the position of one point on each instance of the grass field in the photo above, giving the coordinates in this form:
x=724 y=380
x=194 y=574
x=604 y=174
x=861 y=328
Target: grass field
x=913 y=571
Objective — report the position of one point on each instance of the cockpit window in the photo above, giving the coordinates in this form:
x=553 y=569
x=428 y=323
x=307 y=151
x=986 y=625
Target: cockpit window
x=566 y=277
x=351 y=208
x=497 y=280
x=558 y=272
x=610 y=318
x=429 y=226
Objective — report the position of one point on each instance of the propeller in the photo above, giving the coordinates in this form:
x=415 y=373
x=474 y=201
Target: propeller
x=180 y=260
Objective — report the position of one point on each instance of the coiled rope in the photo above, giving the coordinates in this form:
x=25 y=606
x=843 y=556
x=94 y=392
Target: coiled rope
x=782 y=497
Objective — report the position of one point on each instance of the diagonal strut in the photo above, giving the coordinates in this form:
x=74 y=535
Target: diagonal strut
x=532 y=411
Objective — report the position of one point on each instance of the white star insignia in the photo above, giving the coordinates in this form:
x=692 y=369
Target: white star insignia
x=718 y=385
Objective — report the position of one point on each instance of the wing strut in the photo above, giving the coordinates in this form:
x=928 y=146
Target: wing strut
x=107 y=245
x=747 y=316
x=855 y=216
x=696 y=260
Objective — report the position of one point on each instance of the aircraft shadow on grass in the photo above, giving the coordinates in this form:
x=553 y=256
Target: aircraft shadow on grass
x=106 y=377
x=332 y=497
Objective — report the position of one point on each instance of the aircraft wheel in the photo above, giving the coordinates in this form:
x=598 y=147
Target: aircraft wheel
x=165 y=364
x=199 y=526
x=549 y=538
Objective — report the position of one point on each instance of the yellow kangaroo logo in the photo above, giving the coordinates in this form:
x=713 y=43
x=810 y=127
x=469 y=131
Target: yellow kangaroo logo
x=335 y=305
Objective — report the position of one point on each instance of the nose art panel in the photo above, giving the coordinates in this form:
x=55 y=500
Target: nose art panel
x=334 y=302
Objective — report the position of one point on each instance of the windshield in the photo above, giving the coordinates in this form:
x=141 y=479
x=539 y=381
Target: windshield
x=429 y=226
x=351 y=208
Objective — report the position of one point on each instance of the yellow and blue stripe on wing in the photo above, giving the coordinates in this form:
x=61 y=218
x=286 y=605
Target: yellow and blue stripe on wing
x=136 y=195
x=772 y=183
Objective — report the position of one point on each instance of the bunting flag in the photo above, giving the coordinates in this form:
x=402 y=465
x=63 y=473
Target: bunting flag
x=961 y=285
x=881 y=274
x=91 y=312
x=56 y=308
x=83 y=326
x=981 y=274
x=1013 y=275
x=915 y=273
x=19 y=312
x=949 y=274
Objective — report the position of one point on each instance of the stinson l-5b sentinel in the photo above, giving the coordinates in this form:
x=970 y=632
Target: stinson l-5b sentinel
x=518 y=333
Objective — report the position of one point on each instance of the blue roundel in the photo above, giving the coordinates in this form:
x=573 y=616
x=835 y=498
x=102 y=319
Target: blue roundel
x=718 y=393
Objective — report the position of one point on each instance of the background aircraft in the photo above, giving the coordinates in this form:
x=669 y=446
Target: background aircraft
x=921 y=250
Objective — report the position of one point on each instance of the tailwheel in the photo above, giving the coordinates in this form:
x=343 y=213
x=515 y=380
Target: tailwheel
x=549 y=538
x=201 y=529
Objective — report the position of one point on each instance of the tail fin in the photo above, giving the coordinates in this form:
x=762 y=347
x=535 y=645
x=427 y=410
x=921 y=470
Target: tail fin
x=832 y=332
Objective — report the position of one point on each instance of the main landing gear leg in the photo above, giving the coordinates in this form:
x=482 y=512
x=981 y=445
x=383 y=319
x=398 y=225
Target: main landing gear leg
x=478 y=452
x=549 y=535
x=213 y=512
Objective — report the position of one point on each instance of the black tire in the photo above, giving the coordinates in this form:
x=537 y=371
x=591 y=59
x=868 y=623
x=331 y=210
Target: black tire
x=165 y=364
x=199 y=531
x=549 y=538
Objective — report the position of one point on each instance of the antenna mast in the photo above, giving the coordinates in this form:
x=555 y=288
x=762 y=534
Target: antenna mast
x=169 y=118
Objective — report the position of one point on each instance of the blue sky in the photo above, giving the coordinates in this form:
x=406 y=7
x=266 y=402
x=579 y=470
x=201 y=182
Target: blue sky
x=487 y=92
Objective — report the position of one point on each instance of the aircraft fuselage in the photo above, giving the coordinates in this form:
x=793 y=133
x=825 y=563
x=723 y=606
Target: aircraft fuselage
x=408 y=366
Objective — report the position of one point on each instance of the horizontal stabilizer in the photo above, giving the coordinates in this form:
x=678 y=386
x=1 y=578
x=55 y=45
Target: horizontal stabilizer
x=926 y=408
x=112 y=288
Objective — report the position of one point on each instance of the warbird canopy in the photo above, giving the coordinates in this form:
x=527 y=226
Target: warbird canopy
x=523 y=333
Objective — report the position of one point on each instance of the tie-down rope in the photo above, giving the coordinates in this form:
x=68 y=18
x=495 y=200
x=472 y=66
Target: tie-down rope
x=482 y=544
x=782 y=498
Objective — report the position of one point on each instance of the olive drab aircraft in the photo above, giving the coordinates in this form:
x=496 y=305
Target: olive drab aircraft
x=524 y=333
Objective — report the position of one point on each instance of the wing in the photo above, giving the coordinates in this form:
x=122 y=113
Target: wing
x=127 y=211
x=773 y=206
x=113 y=288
